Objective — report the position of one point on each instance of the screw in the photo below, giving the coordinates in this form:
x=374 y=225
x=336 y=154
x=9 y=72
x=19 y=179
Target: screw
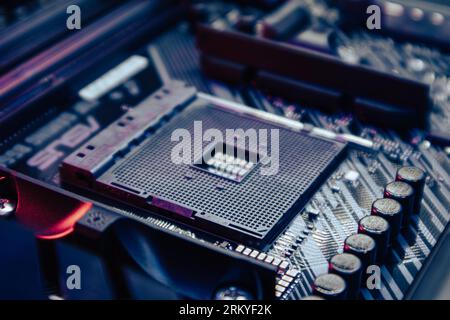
x=6 y=207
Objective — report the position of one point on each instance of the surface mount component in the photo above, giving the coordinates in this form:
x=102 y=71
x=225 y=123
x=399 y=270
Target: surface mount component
x=319 y=80
x=228 y=186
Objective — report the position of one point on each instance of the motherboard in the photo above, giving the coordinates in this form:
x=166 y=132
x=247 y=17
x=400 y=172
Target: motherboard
x=318 y=147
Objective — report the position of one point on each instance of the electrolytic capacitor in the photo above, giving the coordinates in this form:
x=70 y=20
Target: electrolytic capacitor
x=349 y=267
x=246 y=23
x=378 y=229
x=415 y=177
x=391 y=211
x=313 y=298
x=330 y=286
x=404 y=194
x=362 y=246
x=284 y=21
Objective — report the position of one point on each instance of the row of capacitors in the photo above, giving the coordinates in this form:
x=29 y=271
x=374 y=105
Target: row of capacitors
x=376 y=234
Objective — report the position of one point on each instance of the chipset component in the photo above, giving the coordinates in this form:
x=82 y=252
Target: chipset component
x=232 y=187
